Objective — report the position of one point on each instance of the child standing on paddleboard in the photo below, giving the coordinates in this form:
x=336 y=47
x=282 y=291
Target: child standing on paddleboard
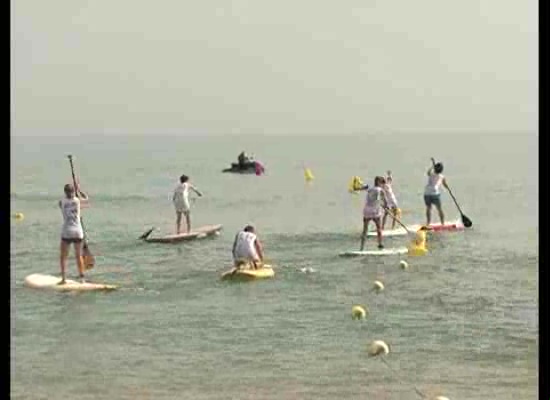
x=432 y=191
x=373 y=210
x=181 y=202
x=71 y=231
x=391 y=201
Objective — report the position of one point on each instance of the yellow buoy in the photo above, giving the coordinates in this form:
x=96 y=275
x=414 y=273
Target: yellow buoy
x=358 y=312
x=403 y=264
x=378 y=286
x=308 y=175
x=378 y=347
x=19 y=216
x=418 y=245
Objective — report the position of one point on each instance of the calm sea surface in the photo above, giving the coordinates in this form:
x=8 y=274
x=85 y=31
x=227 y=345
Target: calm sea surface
x=462 y=321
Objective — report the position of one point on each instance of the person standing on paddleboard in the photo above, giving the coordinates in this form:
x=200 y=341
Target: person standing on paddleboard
x=373 y=210
x=247 y=248
x=432 y=191
x=391 y=201
x=181 y=202
x=71 y=231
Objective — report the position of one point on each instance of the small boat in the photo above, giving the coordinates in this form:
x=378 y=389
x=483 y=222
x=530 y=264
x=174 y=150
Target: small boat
x=246 y=168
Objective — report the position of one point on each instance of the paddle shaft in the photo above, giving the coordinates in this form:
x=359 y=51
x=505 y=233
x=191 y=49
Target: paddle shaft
x=453 y=197
x=76 y=192
x=397 y=219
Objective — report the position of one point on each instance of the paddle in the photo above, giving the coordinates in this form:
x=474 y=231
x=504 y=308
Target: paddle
x=397 y=220
x=147 y=233
x=88 y=257
x=465 y=220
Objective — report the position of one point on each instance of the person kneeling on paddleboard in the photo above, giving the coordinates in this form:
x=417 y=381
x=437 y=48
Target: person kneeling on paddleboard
x=181 y=202
x=432 y=191
x=71 y=231
x=373 y=210
x=247 y=248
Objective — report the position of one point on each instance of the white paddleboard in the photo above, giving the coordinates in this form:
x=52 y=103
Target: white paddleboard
x=377 y=252
x=50 y=282
x=199 y=233
x=390 y=232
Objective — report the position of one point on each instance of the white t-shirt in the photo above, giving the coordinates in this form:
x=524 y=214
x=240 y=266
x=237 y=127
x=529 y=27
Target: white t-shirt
x=245 y=249
x=72 y=228
x=390 y=196
x=373 y=201
x=181 y=196
x=434 y=183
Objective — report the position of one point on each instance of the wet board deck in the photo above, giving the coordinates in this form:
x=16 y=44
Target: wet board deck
x=389 y=232
x=437 y=227
x=377 y=252
x=248 y=274
x=199 y=233
x=50 y=282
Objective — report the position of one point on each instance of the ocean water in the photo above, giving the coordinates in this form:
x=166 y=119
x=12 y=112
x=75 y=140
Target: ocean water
x=461 y=322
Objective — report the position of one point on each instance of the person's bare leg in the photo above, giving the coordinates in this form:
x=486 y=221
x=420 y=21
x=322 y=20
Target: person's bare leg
x=428 y=215
x=441 y=215
x=394 y=213
x=378 y=232
x=364 y=234
x=384 y=219
x=178 y=222
x=63 y=253
x=79 y=259
x=188 y=221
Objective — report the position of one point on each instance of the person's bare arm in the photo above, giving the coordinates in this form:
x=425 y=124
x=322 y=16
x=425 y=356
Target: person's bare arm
x=195 y=190
x=444 y=182
x=234 y=245
x=259 y=249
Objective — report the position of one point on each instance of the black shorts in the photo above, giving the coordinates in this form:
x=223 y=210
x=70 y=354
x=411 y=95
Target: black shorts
x=71 y=240
x=434 y=199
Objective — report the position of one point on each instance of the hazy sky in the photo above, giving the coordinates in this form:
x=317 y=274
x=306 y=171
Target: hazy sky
x=278 y=66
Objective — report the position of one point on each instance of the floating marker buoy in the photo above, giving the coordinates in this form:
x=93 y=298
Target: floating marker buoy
x=403 y=264
x=308 y=175
x=378 y=347
x=378 y=286
x=19 y=216
x=358 y=312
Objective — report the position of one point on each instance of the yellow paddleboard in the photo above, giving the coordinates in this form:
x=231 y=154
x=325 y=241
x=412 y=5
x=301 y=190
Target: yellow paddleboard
x=248 y=274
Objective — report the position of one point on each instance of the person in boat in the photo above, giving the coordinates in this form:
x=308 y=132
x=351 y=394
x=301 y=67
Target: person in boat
x=391 y=201
x=71 y=231
x=432 y=191
x=373 y=210
x=243 y=159
x=247 y=249
x=181 y=202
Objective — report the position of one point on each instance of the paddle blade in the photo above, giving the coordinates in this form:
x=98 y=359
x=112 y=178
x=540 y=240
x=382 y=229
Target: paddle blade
x=87 y=257
x=147 y=233
x=466 y=221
